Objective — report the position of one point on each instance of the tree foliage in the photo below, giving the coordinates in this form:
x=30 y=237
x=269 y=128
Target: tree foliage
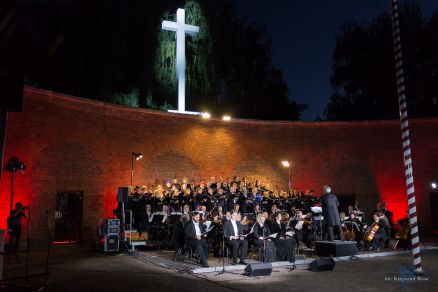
x=363 y=75
x=115 y=50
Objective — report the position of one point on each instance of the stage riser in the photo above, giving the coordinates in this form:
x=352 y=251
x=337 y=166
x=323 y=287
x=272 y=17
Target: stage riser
x=336 y=248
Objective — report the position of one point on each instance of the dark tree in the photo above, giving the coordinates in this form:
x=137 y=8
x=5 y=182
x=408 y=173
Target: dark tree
x=115 y=51
x=363 y=75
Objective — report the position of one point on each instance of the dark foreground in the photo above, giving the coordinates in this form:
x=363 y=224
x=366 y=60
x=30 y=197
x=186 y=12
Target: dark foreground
x=74 y=269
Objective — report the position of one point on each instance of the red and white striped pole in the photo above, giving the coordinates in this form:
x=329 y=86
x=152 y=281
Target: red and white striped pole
x=405 y=138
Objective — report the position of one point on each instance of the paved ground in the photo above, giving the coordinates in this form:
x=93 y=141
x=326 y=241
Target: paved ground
x=74 y=269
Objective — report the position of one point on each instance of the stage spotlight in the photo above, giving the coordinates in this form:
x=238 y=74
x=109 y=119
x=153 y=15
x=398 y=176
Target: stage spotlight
x=137 y=155
x=434 y=185
x=14 y=164
x=206 y=115
x=226 y=118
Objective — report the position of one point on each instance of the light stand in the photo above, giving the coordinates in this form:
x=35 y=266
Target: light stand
x=286 y=164
x=12 y=191
x=12 y=166
x=136 y=156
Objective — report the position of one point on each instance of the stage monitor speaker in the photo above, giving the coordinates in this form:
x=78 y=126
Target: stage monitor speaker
x=320 y=265
x=255 y=270
x=122 y=195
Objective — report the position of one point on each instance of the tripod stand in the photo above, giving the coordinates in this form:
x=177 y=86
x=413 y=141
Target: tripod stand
x=27 y=275
x=122 y=229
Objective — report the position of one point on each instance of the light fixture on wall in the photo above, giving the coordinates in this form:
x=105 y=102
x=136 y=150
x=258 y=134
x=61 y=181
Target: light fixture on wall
x=286 y=164
x=434 y=185
x=134 y=156
x=14 y=164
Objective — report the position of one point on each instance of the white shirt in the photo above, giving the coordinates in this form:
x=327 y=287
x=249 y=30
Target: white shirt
x=235 y=227
x=197 y=229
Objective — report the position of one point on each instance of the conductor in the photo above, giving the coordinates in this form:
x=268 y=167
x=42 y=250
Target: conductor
x=330 y=212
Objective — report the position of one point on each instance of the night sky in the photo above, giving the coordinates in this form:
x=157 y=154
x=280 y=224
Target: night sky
x=303 y=35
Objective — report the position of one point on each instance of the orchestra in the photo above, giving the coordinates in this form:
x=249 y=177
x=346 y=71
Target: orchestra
x=243 y=216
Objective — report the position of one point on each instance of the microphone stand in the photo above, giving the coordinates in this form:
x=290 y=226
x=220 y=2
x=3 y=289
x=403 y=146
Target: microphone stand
x=223 y=251
x=264 y=243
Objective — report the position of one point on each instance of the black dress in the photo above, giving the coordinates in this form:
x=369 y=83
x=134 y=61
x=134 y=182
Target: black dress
x=283 y=244
x=267 y=247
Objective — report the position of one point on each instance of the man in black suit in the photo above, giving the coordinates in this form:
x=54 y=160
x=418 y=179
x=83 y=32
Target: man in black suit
x=194 y=238
x=234 y=238
x=330 y=212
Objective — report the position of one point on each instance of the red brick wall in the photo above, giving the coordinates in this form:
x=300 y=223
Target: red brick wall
x=70 y=143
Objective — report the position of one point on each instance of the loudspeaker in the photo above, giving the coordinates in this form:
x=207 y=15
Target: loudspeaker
x=322 y=265
x=122 y=195
x=262 y=269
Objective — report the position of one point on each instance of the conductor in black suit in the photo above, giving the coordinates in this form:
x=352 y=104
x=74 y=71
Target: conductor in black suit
x=330 y=205
x=193 y=235
x=234 y=238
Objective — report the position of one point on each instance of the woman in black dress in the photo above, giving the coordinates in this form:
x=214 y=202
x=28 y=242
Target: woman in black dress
x=283 y=243
x=261 y=240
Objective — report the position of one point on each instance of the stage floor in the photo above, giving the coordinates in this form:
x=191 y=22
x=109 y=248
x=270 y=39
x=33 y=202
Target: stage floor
x=166 y=259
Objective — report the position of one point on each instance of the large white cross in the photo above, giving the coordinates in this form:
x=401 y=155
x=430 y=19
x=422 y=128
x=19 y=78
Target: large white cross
x=181 y=29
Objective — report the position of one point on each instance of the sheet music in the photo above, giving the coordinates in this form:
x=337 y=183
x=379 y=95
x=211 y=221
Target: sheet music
x=299 y=225
x=274 y=235
x=290 y=233
x=208 y=229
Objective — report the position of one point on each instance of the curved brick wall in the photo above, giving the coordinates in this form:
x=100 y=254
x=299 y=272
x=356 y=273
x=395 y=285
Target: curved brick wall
x=70 y=143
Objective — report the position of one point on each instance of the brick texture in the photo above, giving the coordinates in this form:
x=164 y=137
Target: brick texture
x=70 y=143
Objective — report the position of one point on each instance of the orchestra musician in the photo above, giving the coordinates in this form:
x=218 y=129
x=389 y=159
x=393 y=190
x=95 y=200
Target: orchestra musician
x=234 y=238
x=186 y=210
x=381 y=234
x=403 y=235
x=194 y=237
x=283 y=242
x=301 y=230
x=245 y=224
x=146 y=221
x=179 y=233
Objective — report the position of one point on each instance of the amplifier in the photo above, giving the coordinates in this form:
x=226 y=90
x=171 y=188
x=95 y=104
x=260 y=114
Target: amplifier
x=111 y=243
x=112 y=227
x=108 y=233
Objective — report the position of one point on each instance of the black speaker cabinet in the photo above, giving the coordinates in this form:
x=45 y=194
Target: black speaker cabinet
x=122 y=195
x=335 y=248
x=262 y=269
x=320 y=265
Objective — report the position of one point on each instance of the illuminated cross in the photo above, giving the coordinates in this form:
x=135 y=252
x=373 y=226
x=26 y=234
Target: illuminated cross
x=181 y=29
